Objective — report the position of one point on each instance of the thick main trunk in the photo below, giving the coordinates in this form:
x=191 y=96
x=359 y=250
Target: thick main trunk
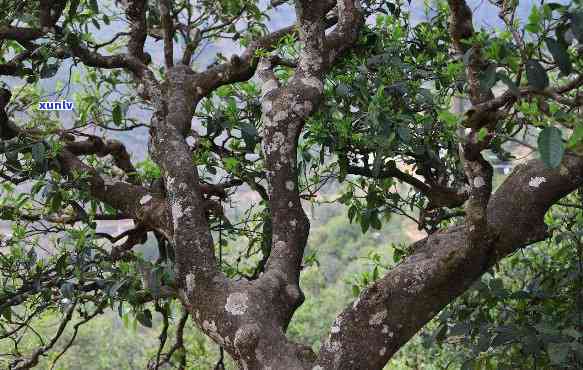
x=443 y=266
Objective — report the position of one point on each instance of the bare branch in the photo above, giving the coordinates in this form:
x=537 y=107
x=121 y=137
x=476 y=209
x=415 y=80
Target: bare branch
x=98 y=311
x=136 y=14
x=116 y=149
x=168 y=30
x=22 y=364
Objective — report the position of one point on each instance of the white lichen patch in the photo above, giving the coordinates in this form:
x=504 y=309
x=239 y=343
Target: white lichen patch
x=280 y=116
x=335 y=329
x=377 y=318
x=190 y=141
x=385 y=329
x=479 y=182
x=314 y=82
x=310 y=62
x=535 y=182
x=563 y=171
x=237 y=303
x=293 y=223
x=263 y=65
x=177 y=214
x=209 y=326
x=183 y=186
x=303 y=109
x=267 y=106
x=268 y=87
x=335 y=347
x=276 y=143
x=108 y=181
x=145 y=199
x=170 y=181
x=383 y=351
x=190 y=282
x=289 y=185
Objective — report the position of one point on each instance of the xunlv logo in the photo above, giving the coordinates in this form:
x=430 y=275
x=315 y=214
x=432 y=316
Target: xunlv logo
x=56 y=105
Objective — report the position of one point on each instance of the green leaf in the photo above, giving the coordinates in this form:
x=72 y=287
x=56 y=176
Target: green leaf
x=503 y=338
x=403 y=133
x=116 y=287
x=468 y=365
x=231 y=163
x=145 y=318
x=377 y=163
x=449 y=118
x=38 y=153
x=48 y=70
x=351 y=213
x=364 y=223
x=94 y=6
x=482 y=133
x=577 y=25
x=551 y=146
x=56 y=202
x=116 y=115
x=154 y=283
x=534 y=20
x=39 y=156
x=488 y=78
x=73 y=9
x=558 y=353
x=508 y=82
x=576 y=137
x=573 y=332
x=61 y=264
x=560 y=55
x=67 y=290
x=343 y=90
x=374 y=221
x=467 y=56
x=536 y=75
x=7 y=313
x=460 y=329
x=250 y=135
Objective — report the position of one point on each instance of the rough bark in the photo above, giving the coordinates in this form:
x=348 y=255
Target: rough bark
x=444 y=265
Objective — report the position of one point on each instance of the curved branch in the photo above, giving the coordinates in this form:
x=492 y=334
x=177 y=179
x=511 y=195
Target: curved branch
x=22 y=364
x=116 y=149
x=444 y=265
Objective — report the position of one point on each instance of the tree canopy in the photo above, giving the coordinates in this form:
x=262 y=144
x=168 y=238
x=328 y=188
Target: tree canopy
x=388 y=108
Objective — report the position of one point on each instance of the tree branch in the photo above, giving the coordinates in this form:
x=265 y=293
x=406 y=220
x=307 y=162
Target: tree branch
x=388 y=313
x=22 y=364
x=168 y=30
